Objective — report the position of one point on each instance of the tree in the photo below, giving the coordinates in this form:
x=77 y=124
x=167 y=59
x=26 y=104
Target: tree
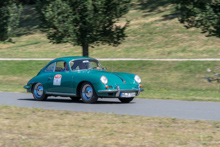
x=83 y=22
x=9 y=18
x=203 y=14
x=27 y=2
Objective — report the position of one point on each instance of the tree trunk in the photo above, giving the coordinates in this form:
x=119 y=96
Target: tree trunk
x=85 y=48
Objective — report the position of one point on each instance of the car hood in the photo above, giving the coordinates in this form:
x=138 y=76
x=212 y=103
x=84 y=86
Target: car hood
x=114 y=77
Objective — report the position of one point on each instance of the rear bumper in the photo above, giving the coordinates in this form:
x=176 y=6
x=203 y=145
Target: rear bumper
x=28 y=88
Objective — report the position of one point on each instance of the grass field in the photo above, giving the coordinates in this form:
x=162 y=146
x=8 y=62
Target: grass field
x=161 y=80
x=39 y=127
x=154 y=32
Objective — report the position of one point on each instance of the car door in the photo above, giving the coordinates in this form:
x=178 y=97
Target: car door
x=48 y=76
x=60 y=80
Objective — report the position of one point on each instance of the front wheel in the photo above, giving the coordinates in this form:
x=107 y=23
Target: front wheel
x=88 y=93
x=38 y=92
x=126 y=100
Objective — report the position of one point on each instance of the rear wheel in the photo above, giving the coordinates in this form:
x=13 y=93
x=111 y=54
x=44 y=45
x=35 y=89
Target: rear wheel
x=126 y=100
x=88 y=93
x=38 y=92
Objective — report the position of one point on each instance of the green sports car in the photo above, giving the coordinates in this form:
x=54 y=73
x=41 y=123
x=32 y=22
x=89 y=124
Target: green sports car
x=83 y=78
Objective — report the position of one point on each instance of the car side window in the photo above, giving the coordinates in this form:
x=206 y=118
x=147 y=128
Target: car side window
x=61 y=66
x=84 y=64
x=50 y=68
x=93 y=65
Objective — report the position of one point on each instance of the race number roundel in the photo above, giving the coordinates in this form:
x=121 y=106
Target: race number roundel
x=58 y=76
x=57 y=79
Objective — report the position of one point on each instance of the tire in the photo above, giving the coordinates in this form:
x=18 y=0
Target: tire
x=88 y=93
x=126 y=100
x=38 y=92
x=75 y=99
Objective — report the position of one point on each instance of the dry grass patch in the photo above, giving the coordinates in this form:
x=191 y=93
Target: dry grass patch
x=38 y=127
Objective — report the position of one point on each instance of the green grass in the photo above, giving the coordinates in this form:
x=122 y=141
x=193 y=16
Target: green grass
x=39 y=127
x=154 y=32
x=161 y=80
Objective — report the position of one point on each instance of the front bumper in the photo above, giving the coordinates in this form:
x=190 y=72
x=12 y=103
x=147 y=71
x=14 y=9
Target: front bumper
x=118 y=91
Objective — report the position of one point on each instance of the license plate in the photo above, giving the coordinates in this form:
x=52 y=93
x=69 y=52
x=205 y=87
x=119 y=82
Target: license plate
x=132 y=94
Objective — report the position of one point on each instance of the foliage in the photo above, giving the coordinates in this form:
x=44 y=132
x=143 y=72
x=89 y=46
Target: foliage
x=84 y=23
x=203 y=14
x=9 y=18
x=28 y=2
x=14 y=12
x=4 y=17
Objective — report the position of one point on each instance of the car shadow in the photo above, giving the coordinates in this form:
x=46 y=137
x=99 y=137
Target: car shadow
x=60 y=100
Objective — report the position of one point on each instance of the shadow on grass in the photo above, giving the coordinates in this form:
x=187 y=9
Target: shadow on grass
x=152 y=7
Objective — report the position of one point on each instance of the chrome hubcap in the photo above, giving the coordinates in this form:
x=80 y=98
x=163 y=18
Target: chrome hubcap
x=38 y=91
x=87 y=92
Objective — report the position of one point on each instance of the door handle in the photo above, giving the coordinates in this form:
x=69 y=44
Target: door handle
x=49 y=78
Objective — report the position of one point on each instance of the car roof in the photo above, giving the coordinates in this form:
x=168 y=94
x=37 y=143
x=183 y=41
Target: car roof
x=67 y=59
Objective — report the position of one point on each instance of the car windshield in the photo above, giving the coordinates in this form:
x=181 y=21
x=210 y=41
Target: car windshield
x=85 y=64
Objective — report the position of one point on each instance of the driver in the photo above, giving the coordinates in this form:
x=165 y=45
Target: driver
x=65 y=67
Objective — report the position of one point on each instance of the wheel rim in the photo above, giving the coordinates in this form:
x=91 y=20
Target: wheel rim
x=38 y=91
x=87 y=92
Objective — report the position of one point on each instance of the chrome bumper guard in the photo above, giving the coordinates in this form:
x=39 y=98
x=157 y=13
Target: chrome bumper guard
x=119 y=91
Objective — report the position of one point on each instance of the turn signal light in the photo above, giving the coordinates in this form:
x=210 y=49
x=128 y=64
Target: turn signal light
x=106 y=86
x=141 y=86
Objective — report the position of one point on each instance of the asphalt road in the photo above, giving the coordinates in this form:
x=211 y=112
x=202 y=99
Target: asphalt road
x=140 y=107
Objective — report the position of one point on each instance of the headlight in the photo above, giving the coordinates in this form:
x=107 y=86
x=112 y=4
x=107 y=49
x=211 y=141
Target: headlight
x=137 y=79
x=104 y=80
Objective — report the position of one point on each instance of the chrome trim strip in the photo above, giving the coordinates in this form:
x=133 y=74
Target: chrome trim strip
x=107 y=91
x=121 y=90
x=129 y=90
x=56 y=93
x=119 y=77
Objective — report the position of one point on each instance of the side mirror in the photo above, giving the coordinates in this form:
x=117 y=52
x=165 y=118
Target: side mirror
x=105 y=69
